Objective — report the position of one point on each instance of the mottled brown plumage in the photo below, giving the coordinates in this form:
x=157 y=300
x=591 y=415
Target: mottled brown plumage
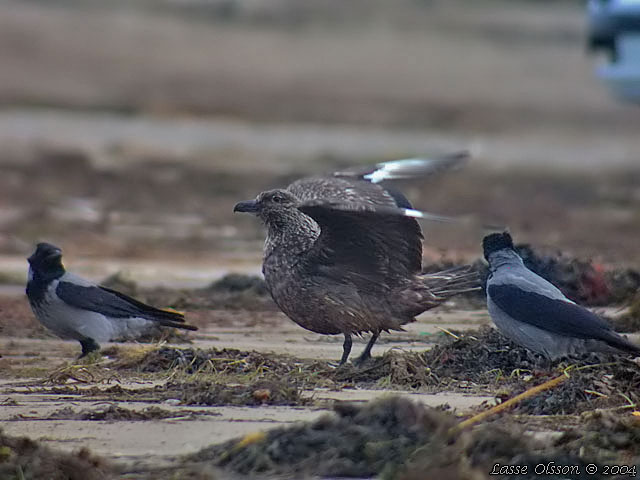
x=343 y=256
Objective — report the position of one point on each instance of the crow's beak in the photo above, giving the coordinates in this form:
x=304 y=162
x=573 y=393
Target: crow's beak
x=250 y=206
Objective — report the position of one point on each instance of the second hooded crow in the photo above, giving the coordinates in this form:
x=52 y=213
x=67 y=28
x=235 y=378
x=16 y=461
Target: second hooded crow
x=536 y=315
x=74 y=308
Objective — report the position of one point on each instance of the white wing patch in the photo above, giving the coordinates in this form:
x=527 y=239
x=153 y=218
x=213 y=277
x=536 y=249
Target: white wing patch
x=409 y=212
x=396 y=169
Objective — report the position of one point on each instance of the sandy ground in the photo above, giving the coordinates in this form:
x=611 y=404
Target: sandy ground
x=26 y=407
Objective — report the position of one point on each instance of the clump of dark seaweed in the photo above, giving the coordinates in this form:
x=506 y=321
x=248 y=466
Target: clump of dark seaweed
x=112 y=413
x=355 y=442
x=24 y=459
x=194 y=360
x=481 y=357
x=261 y=392
x=607 y=435
x=236 y=282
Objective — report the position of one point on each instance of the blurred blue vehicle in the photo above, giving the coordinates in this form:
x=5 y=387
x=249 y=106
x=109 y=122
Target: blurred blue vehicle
x=614 y=27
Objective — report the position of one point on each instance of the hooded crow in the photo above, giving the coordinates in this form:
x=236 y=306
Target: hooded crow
x=74 y=308
x=343 y=254
x=535 y=314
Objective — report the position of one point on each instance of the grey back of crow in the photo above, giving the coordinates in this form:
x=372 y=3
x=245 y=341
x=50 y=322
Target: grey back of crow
x=343 y=254
x=536 y=315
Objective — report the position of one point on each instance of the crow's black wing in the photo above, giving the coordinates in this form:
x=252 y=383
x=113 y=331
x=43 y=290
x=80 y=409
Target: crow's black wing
x=115 y=304
x=556 y=316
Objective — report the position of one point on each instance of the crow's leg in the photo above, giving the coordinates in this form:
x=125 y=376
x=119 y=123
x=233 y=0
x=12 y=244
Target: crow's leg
x=366 y=353
x=346 y=349
x=88 y=345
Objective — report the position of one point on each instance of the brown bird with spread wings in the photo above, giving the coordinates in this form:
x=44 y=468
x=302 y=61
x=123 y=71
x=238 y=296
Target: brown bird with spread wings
x=343 y=254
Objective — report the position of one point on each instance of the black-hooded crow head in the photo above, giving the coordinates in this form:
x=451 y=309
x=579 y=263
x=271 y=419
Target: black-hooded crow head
x=495 y=242
x=46 y=261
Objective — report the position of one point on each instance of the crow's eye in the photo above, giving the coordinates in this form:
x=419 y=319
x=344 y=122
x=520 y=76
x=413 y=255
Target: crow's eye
x=278 y=199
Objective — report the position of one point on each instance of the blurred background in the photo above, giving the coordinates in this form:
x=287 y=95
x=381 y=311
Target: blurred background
x=129 y=129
